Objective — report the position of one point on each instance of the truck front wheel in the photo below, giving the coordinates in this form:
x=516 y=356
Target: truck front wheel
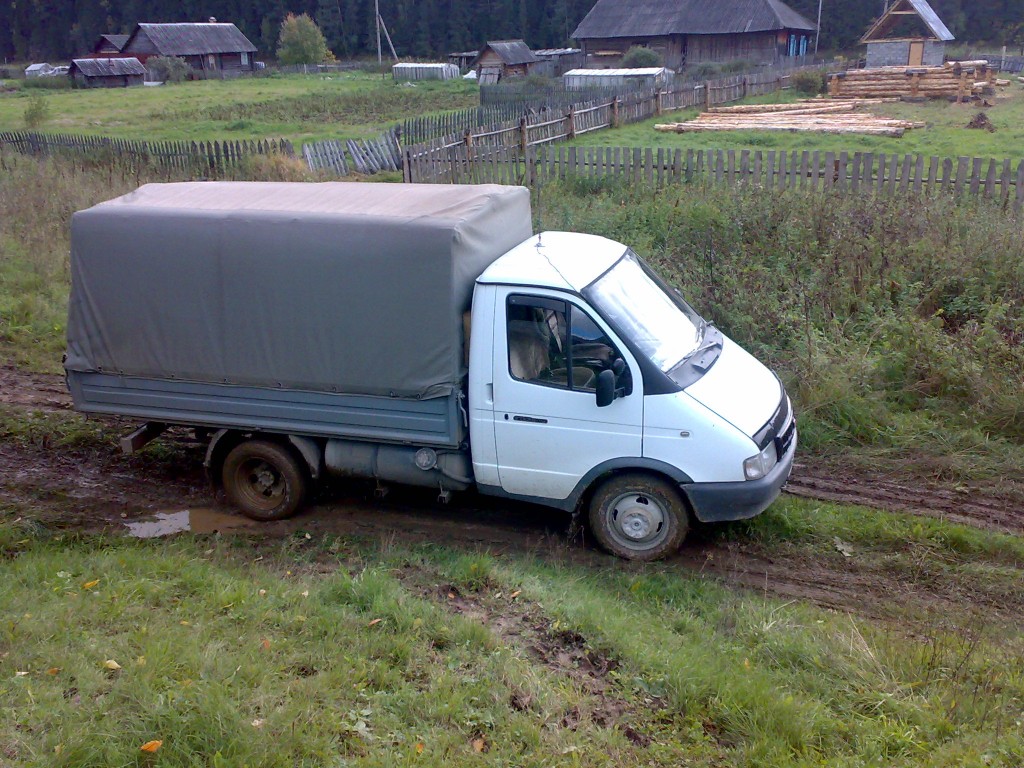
x=264 y=480
x=638 y=517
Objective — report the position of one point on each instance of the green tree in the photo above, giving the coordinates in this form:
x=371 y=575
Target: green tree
x=301 y=42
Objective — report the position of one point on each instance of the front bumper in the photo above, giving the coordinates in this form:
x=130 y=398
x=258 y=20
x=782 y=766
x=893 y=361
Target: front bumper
x=719 y=502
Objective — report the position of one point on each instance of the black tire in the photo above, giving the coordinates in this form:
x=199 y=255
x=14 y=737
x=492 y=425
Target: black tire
x=264 y=480
x=638 y=517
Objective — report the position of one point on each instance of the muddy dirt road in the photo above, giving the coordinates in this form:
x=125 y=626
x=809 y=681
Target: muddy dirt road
x=98 y=490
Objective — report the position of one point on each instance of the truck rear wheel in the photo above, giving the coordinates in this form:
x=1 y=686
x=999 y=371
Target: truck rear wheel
x=264 y=480
x=638 y=517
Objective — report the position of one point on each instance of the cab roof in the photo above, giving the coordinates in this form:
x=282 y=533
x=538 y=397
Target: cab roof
x=560 y=260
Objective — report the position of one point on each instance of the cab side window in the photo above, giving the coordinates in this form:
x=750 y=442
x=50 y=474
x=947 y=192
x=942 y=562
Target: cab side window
x=556 y=344
x=537 y=343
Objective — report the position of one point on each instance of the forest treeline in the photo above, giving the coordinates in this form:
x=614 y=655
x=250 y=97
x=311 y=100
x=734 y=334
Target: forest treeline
x=59 y=29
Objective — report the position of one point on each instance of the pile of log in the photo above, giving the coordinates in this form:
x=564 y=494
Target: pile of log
x=819 y=115
x=960 y=80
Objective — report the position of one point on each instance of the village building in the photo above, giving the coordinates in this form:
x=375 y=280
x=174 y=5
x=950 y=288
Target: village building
x=107 y=72
x=210 y=49
x=555 y=62
x=504 y=59
x=40 y=70
x=909 y=34
x=687 y=32
x=109 y=45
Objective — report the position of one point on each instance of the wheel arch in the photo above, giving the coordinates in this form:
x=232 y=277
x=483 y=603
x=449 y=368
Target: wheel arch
x=224 y=440
x=606 y=470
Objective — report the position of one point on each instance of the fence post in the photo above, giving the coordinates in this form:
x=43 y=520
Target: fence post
x=615 y=112
x=745 y=86
x=657 y=103
x=468 y=138
x=524 y=134
x=707 y=94
x=570 y=127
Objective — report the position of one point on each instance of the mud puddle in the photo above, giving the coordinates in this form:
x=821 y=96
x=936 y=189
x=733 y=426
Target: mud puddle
x=186 y=521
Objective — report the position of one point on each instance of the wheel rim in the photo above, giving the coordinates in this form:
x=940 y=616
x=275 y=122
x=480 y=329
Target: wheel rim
x=637 y=521
x=261 y=484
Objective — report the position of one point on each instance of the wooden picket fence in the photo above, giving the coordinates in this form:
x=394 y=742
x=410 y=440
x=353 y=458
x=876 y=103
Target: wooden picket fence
x=202 y=158
x=843 y=172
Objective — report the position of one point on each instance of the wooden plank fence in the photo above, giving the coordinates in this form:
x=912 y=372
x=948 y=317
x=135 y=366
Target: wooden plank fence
x=843 y=172
x=203 y=158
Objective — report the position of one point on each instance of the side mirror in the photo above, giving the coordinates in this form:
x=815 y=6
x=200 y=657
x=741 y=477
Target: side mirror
x=605 y=388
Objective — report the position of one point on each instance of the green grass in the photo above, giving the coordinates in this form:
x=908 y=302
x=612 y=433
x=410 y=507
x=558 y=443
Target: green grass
x=296 y=107
x=272 y=656
x=945 y=135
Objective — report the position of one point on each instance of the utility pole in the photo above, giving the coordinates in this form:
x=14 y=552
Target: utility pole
x=376 y=20
x=817 y=32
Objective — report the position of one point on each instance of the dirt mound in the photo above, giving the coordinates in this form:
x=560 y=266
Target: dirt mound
x=981 y=122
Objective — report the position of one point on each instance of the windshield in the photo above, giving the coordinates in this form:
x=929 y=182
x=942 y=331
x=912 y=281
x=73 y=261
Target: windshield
x=665 y=330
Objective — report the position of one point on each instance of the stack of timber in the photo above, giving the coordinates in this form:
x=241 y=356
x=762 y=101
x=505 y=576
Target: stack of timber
x=819 y=115
x=959 y=80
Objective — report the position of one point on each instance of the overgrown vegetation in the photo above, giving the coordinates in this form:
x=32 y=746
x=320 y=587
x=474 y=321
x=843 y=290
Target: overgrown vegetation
x=169 y=69
x=809 y=82
x=897 y=323
x=37 y=111
x=641 y=56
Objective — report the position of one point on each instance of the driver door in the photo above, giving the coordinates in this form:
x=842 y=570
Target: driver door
x=548 y=429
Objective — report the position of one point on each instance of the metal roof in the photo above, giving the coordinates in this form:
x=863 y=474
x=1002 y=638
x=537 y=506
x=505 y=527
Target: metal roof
x=898 y=10
x=109 y=67
x=597 y=74
x=117 y=41
x=194 y=39
x=511 y=52
x=556 y=52
x=655 y=18
x=39 y=68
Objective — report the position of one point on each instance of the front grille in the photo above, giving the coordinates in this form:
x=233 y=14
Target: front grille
x=783 y=442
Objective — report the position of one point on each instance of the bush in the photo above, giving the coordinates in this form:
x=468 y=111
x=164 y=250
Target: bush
x=37 y=112
x=809 y=82
x=640 y=56
x=169 y=69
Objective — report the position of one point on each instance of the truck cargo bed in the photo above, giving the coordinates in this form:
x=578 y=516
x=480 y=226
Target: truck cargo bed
x=433 y=422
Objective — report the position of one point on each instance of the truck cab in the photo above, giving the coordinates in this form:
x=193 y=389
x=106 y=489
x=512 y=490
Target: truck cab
x=593 y=383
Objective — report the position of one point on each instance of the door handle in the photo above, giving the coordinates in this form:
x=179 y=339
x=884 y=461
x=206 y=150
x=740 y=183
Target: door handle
x=530 y=419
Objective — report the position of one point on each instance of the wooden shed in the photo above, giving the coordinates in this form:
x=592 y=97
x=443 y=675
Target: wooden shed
x=686 y=32
x=109 y=46
x=209 y=49
x=555 y=62
x=107 y=72
x=909 y=34
x=501 y=59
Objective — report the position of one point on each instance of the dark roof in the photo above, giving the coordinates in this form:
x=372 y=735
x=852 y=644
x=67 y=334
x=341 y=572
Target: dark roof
x=195 y=39
x=117 y=41
x=108 y=67
x=897 y=11
x=511 y=52
x=653 y=18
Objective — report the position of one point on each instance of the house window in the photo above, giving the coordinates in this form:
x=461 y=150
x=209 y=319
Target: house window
x=245 y=59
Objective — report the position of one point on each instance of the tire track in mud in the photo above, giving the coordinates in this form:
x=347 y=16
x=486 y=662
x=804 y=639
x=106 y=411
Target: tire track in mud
x=975 y=505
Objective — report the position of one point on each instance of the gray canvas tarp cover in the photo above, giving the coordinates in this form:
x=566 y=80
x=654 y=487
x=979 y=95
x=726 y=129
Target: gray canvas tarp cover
x=336 y=287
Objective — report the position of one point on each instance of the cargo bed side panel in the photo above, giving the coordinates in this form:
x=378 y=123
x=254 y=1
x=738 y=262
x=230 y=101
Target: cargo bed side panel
x=434 y=422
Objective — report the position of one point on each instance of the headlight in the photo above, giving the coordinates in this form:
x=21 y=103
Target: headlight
x=758 y=466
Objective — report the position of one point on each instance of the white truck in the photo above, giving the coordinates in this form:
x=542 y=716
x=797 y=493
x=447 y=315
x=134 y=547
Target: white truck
x=421 y=335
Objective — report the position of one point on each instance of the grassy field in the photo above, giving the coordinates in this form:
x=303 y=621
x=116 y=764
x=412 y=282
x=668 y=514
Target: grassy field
x=339 y=651
x=296 y=107
x=946 y=134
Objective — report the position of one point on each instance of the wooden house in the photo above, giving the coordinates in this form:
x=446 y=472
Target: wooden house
x=107 y=72
x=685 y=32
x=210 y=49
x=502 y=59
x=909 y=34
x=555 y=62
x=109 y=46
